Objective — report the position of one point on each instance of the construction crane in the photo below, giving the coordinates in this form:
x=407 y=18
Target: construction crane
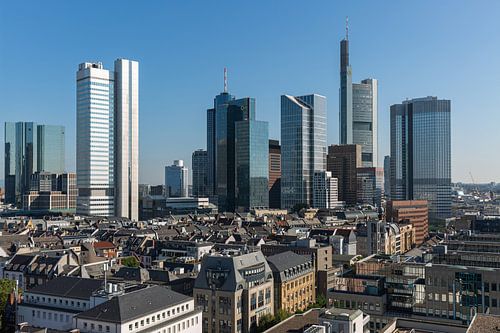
x=475 y=189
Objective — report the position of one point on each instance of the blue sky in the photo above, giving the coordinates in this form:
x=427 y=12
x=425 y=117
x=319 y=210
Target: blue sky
x=450 y=49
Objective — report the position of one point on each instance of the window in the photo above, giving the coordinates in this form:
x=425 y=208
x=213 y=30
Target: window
x=142 y=322
x=84 y=325
x=100 y=328
x=136 y=324
x=130 y=327
x=107 y=328
x=92 y=326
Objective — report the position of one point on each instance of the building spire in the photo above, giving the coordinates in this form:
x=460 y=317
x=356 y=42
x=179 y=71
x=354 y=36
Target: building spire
x=347 y=28
x=225 y=79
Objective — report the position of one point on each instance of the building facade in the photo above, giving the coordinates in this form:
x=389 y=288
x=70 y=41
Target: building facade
x=51 y=192
x=325 y=190
x=370 y=186
x=303 y=147
x=421 y=153
x=176 y=180
x=358 y=110
x=274 y=174
x=387 y=177
x=343 y=162
x=415 y=212
x=199 y=165
x=252 y=165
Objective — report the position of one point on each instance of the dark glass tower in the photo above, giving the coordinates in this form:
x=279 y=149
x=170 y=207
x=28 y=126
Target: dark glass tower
x=421 y=153
x=345 y=94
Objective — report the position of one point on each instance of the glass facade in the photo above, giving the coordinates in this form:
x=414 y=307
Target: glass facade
x=364 y=116
x=252 y=164
x=51 y=143
x=199 y=164
x=176 y=180
x=421 y=153
x=303 y=147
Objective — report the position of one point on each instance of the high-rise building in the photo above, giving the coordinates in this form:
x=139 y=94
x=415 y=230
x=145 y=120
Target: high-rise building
x=325 y=190
x=387 y=176
x=176 y=180
x=199 y=164
x=30 y=148
x=370 y=186
x=274 y=174
x=415 y=212
x=421 y=153
x=358 y=110
x=95 y=140
x=51 y=192
x=107 y=139
x=343 y=162
x=303 y=147
x=126 y=141
x=252 y=164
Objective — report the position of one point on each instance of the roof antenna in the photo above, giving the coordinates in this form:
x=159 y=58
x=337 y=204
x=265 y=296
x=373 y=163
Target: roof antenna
x=347 y=28
x=225 y=79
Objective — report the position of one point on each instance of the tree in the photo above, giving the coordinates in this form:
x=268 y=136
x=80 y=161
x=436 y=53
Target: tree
x=6 y=288
x=130 y=262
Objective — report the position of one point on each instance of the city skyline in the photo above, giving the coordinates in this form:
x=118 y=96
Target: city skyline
x=436 y=73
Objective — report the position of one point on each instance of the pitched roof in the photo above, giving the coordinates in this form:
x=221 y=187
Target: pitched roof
x=136 y=304
x=71 y=287
x=285 y=260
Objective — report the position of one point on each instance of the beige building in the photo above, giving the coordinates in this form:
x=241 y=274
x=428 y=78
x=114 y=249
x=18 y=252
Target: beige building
x=294 y=281
x=234 y=290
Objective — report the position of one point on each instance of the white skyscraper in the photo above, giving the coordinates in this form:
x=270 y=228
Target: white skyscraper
x=107 y=139
x=176 y=180
x=94 y=140
x=325 y=190
x=127 y=138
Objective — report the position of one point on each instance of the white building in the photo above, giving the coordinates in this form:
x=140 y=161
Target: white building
x=107 y=139
x=325 y=190
x=154 y=309
x=176 y=180
x=344 y=320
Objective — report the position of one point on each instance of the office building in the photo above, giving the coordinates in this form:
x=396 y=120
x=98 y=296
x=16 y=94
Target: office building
x=274 y=174
x=415 y=212
x=294 y=281
x=303 y=147
x=234 y=290
x=126 y=131
x=421 y=153
x=252 y=165
x=343 y=163
x=199 y=165
x=51 y=192
x=30 y=148
x=358 y=110
x=107 y=139
x=176 y=180
x=370 y=186
x=325 y=190
x=387 y=177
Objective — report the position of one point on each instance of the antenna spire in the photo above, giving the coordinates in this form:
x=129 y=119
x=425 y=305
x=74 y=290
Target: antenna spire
x=347 y=28
x=225 y=79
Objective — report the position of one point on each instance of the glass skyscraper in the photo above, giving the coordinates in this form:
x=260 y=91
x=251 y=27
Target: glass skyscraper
x=199 y=164
x=30 y=148
x=303 y=147
x=420 y=162
x=176 y=180
x=358 y=110
x=252 y=164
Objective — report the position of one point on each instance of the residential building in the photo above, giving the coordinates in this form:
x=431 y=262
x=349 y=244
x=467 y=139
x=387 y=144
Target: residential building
x=325 y=190
x=176 y=180
x=235 y=290
x=252 y=165
x=107 y=139
x=274 y=174
x=294 y=281
x=152 y=309
x=199 y=165
x=30 y=148
x=126 y=139
x=370 y=186
x=358 y=110
x=303 y=147
x=414 y=212
x=421 y=153
x=387 y=177
x=389 y=238
x=343 y=163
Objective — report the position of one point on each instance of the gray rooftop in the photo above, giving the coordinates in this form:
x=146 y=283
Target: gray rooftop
x=70 y=287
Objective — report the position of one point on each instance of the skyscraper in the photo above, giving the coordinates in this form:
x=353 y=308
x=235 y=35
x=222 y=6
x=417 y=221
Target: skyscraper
x=199 y=164
x=252 y=168
x=126 y=139
x=274 y=174
x=358 y=110
x=303 y=147
x=95 y=140
x=387 y=176
x=325 y=190
x=30 y=148
x=343 y=162
x=421 y=153
x=370 y=186
x=176 y=180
